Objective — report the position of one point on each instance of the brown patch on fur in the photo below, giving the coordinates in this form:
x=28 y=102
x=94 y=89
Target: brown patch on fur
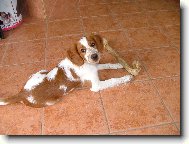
x=79 y=47
x=46 y=93
x=98 y=41
x=74 y=74
x=87 y=84
x=75 y=56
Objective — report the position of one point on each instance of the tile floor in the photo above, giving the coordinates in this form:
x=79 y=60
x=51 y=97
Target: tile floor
x=144 y=30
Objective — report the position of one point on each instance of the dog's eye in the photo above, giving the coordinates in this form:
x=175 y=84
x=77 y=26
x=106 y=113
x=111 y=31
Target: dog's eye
x=83 y=50
x=92 y=44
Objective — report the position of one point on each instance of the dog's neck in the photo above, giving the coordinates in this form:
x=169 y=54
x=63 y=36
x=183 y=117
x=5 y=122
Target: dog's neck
x=85 y=71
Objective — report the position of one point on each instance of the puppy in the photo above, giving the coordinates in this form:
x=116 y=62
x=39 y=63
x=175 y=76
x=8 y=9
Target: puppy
x=46 y=88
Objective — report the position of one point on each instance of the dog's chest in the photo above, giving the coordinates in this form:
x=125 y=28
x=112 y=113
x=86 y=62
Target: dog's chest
x=88 y=72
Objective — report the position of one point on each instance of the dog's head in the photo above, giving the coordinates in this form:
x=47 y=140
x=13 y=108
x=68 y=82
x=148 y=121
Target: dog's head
x=87 y=50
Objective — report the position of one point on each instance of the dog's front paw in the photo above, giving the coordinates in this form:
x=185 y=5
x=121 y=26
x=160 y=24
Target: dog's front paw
x=130 y=77
x=119 y=66
x=94 y=89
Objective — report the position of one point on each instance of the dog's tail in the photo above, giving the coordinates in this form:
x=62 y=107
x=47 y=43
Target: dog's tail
x=10 y=100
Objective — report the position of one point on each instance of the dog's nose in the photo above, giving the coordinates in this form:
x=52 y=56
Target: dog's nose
x=94 y=56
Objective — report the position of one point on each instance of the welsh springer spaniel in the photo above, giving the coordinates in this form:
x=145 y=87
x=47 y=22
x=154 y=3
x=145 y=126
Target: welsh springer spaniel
x=46 y=88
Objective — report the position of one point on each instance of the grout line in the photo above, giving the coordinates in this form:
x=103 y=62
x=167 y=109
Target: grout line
x=122 y=29
x=101 y=3
x=20 y=64
x=171 y=44
x=96 y=16
x=42 y=121
x=144 y=66
x=178 y=50
x=105 y=114
x=52 y=10
x=144 y=127
x=176 y=126
x=151 y=79
x=6 y=48
x=120 y=25
x=165 y=77
x=167 y=36
x=63 y=19
x=179 y=129
x=81 y=18
x=22 y=41
x=4 y=54
x=162 y=101
x=45 y=60
x=63 y=36
x=46 y=36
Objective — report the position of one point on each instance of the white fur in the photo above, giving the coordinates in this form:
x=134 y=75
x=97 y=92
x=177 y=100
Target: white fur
x=87 y=71
x=34 y=81
x=52 y=74
x=49 y=103
x=84 y=42
x=89 y=50
x=3 y=103
x=90 y=72
x=66 y=64
x=31 y=99
x=114 y=82
x=63 y=87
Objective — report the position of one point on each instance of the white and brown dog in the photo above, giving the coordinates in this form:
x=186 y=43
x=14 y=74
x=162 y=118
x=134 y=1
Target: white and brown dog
x=46 y=88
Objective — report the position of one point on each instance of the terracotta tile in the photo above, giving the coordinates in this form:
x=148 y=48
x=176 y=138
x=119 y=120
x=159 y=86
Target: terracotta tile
x=64 y=10
x=135 y=20
x=63 y=27
x=161 y=18
x=19 y=120
x=36 y=8
x=169 y=90
x=79 y=113
x=133 y=105
x=118 y=1
x=95 y=10
x=33 y=20
x=89 y=2
x=25 y=52
x=173 y=34
x=50 y=64
x=117 y=40
x=2 y=51
x=49 y=6
x=57 y=47
x=28 y=32
x=161 y=62
x=179 y=126
x=96 y=24
x=13 y=78
x=129 y=57
x=158 y=5
x=7 y=37
x=168 y=129
x=147 y=38
x=127 y=7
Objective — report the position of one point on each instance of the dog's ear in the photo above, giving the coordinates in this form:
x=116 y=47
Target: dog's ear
x=74 y=56
x=99 y=42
